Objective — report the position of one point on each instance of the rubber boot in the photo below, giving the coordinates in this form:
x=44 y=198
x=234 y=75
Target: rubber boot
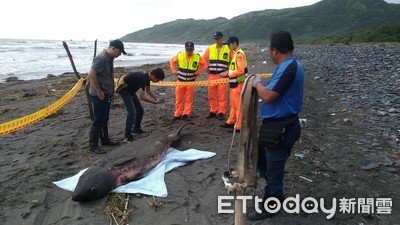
x=254 y=215
x=105 y=140
x=94 y=140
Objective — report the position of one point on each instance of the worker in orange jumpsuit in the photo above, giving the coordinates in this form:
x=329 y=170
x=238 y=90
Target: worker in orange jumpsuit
x=237 y=74
x=190 y=65
x=218 y=57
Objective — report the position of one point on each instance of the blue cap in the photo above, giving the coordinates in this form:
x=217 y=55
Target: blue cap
x=232 y=39
x=218 y=34
x=189 y=45
x=118 y=44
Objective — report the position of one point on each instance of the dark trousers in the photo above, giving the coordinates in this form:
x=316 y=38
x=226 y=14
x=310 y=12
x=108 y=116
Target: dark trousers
x=135 y=112
x=101 y=111
x=271 y=162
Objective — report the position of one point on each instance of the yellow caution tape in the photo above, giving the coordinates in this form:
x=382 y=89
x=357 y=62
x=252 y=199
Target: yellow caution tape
x=16 y=124
x=196 y=83
x=200 y=82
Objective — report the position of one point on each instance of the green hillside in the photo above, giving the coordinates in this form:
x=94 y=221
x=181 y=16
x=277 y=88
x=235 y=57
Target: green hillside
x=383 y=34
x=322 y=19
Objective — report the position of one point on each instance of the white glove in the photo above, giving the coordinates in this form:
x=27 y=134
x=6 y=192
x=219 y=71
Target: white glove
x=257 y=78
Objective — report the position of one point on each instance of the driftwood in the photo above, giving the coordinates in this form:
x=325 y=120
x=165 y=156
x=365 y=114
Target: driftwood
x=86 y=83
x=71 y=60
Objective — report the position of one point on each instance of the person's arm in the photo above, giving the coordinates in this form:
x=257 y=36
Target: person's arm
x=203 y=66
x=268 y=96
x=92 y=77
x=277 y=84
x=231 y=54
x=143 y=97
x=226 y=73
x=205 y=57
x=172 y=64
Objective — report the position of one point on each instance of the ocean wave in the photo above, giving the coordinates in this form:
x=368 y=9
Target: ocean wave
x=22 y=58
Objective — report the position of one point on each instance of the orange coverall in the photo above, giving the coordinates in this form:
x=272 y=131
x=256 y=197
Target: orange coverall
x=216 y=91
x=235 y=114
x=184 y=94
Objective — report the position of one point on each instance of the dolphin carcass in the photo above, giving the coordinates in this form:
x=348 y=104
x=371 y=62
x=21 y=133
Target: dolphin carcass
x=121 y=166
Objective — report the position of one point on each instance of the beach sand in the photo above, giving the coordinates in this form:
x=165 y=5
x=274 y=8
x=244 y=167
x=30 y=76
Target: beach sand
x=57 y=147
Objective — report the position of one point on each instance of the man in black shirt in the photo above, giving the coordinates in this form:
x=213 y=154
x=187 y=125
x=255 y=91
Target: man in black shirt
x=127 y=87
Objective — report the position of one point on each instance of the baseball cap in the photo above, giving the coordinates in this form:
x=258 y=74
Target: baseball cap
x=118 y=44
x=232 y=39
x=218 y=34
x=189 y=45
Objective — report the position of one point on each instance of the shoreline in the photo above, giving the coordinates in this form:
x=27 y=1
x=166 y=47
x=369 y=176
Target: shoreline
x=127 y=64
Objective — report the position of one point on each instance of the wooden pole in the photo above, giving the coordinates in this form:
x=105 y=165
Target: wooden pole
x=71 y=60
x=248 y=104
x=79 y=77
x=87 y=85
x=239 y=216
x=95 y=48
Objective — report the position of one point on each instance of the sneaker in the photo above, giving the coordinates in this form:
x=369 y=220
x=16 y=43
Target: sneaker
x=225 y=125
x=138 y=131
x=221 y=116
x=176 y=118
x=186 y=117
x=231 y=131
x=211 y=115
x=128 y=139
x=254 y=215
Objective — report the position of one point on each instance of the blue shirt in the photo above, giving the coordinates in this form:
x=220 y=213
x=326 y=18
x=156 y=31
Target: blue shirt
x=288 y=81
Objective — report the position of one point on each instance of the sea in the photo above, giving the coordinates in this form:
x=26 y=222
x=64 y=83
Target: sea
x=36 y=59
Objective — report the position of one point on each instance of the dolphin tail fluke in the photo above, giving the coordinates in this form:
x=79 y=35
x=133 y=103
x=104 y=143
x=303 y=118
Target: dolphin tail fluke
x=178 y=132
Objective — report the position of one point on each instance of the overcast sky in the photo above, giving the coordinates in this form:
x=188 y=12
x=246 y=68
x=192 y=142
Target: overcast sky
x=105 y=20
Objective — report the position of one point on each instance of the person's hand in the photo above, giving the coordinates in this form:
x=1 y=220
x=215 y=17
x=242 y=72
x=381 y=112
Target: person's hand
x=224 y=74
x=257 y=78
x=101 y=94
x=158 y=101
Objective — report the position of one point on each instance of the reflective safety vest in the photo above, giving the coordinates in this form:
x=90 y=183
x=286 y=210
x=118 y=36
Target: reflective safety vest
x=219 y=61
x=233 y=82
x=187 y=70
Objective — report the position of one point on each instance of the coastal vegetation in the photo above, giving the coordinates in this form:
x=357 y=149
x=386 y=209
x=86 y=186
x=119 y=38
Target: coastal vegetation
x=383 y=34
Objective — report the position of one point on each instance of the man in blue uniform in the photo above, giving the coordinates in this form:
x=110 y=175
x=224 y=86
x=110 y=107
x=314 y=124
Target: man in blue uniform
x=282 y=99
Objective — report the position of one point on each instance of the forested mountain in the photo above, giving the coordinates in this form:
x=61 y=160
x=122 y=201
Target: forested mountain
x=322 y=19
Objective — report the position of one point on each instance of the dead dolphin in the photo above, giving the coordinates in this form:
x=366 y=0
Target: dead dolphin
x=121 y=166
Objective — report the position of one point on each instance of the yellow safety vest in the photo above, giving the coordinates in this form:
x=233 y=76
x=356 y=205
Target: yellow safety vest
x=233 y=82
x=187 y=70
x=218 y=61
